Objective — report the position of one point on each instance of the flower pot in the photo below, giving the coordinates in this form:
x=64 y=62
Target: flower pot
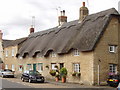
x=63 y=79
x=57 y=79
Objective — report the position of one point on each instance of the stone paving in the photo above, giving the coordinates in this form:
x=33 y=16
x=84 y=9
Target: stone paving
x=53 y=84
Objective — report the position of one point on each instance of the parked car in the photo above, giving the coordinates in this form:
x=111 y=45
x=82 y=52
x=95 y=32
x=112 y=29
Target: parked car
x=32 y=76
x=113 y=80
x=6 y=73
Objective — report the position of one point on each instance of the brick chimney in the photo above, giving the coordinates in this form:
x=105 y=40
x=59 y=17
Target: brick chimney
x=1 y=34
x=83 y=12
x=31 y=29
x=62 y=18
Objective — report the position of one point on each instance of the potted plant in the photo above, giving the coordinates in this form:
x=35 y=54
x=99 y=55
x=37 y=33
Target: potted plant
x=78 y=74
x=57 y=77
x=52 y=72
x=74 y=74
x=63 y=73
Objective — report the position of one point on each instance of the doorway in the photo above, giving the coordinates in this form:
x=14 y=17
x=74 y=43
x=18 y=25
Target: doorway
x=34 y=67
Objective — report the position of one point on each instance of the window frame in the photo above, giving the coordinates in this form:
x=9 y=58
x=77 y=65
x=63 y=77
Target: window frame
x=13 y=67
x=76 y=52
x=13 y=52
x=53 y=66
x=53 y=54
x=112 y=48
x=6 y=53
x=40 y=69
x=76 y=67
x=6 y=66
x=113 y=68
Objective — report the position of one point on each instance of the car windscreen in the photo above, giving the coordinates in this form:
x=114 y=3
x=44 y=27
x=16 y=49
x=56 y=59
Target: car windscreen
x=7 y=70
x=34 y=73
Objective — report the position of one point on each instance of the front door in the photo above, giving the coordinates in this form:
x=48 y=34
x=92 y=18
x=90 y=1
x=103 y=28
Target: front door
x=34 y=67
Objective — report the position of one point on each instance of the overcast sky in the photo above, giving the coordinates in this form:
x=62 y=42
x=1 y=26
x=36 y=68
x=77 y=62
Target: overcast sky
x=16 y=15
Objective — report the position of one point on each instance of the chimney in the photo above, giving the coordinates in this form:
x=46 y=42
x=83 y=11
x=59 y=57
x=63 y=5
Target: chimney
x=31 y=29
x=62 y=19
x=1 y=34
x=83 y=12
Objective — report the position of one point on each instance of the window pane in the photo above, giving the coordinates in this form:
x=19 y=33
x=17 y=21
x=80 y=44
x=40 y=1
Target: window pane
x=76 y=67
x=40 y=67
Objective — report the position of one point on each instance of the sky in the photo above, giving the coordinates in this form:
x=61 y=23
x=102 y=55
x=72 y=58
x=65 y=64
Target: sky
x=16 y=15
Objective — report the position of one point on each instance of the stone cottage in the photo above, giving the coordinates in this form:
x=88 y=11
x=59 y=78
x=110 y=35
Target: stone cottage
x=89 y=45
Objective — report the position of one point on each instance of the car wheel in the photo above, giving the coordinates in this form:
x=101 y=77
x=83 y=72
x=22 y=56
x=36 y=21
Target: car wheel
x=22 y=79
x=2 y=76
x=29 y=80
x=42 y=81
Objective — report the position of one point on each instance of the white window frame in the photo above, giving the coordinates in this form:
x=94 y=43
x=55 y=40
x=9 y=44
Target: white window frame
x=76 y=52
x=40 y=67
x=6 y=53
x=112 y=49
x=13 y=67
x=6 y=66
x=13 y=52
x=76 y=67
x=53 y=54
x=113 y=68
x=53 y=66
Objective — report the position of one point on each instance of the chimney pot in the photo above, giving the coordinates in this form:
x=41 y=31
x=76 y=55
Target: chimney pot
x=63 y=12
x=84 y=4
x=62 y=19
x=31 y=29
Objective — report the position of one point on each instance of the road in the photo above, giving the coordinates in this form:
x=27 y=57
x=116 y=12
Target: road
x=10 y=84
x=17 y=83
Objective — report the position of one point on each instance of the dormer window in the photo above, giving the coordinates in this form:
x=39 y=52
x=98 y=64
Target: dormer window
x=6 y=53
x=112 y=49
x=12 y=52
x=53 y=54
x=76 y=52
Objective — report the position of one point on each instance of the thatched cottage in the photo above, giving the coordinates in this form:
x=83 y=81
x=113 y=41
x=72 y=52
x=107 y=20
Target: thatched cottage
x=89 y=45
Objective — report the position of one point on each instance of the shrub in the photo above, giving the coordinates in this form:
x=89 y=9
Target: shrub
x=63 y=72
x=52 y=72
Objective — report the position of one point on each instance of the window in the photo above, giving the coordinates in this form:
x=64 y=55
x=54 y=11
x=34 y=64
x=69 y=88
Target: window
x=20 y=67
x=6 y=53
x=29 y=67
x=53 y=66
x=53 y=54
x=6 y=66
x=76 y=67
x=113 y=68
x=13 y=67
x=112 y=49
x=12 y=52
x=76 y=52
x=40 y=67
x=61 y=65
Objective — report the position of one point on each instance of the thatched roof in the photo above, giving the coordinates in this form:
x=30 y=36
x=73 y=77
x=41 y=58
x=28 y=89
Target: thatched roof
x=72 y=35
x=7 y=43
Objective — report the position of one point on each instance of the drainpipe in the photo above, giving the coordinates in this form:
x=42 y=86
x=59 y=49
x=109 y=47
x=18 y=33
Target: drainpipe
x=99 y=72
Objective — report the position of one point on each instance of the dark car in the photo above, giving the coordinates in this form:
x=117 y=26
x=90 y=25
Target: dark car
x=32 y=76
x=6 y=73
x=113 y=80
